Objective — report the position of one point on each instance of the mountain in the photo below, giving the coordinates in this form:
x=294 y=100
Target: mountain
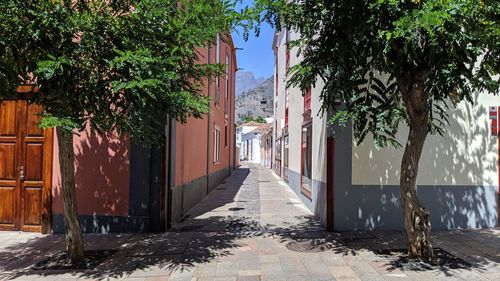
x=257 y=101
x=245 y=80
x=260 y=80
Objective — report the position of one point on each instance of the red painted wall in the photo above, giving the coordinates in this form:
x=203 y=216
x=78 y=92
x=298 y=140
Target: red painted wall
x=190 y=151
x=191 y=138
x=191 y=144
x=102 y=164
x=101 y=175
x=218 y=117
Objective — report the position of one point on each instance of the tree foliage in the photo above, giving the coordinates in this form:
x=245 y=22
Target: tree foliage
x=363 y=50
x=250 y=118
x=121 y=64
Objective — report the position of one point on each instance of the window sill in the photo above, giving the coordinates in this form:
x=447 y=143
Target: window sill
x=306 y=193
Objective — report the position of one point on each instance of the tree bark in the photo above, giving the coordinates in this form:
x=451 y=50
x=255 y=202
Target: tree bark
x=416 y=218
x=74 y=237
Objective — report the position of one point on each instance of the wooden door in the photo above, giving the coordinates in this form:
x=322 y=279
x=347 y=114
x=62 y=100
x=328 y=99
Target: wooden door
x=25 y=168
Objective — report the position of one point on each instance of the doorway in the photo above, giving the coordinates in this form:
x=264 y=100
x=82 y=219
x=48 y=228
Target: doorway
x=25 y=168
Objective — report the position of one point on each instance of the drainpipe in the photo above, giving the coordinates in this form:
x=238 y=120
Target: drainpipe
x=228 y=136
x=170 y=168
x=208 y=122
x=229 y=132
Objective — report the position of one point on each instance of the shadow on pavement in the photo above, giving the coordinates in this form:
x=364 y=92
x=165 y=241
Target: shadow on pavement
x=201 y=239
x=165 y=253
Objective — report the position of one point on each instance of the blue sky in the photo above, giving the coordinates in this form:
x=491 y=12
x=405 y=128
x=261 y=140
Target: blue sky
x=257 y=54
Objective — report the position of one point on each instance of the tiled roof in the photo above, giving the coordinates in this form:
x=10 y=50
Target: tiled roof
x=251 y=124
x=262 y=128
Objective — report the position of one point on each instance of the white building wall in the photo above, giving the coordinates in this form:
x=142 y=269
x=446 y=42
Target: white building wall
x=467 y=155
x=457 y=180
x=320 y=135
x=256 y=156
x=279 y=102
x=458 y=176
x=251 y=145
x=295 y=121
x=295 y=111
x=240 y=143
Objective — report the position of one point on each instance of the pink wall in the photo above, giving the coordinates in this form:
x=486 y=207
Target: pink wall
x=101 y=175
x=191 y=145
x=190 y=151
x=102 y=164
x=218 y=117
x=191 y=138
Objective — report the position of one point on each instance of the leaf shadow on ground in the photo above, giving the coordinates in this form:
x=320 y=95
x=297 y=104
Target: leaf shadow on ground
x=195 y=242
x=202 y=239
x=476 y=249
x=137 y=254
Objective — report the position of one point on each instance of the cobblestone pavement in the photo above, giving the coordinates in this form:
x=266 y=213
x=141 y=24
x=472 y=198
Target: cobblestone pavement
x=252 y=227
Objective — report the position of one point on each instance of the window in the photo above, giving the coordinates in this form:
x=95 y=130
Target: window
x=216 y=145
x=225 y=136
x=306 y=160
x=226 y=102
x=307 y=99
x=276 y=71
x=277 y=155
x=285 y=157
x=286 y=117
x=217 y=60
x=286 y=108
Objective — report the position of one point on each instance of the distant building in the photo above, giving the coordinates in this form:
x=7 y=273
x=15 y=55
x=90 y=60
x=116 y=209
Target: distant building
x=251 y=144
x=242 y=130
x=250 y=149
x=250 y=141
x=356 y=187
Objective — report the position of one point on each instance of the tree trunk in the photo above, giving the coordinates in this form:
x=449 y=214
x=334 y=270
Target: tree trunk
x=416 y=218
x=74 y=237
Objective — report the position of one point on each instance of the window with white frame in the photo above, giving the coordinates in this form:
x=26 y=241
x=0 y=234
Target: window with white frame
x=306 y=160
x=216 y=145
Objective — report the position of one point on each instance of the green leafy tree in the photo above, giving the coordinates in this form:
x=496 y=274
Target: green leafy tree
x=250 y=118
x=119 y=65
x=393 y=62
x=260 y=119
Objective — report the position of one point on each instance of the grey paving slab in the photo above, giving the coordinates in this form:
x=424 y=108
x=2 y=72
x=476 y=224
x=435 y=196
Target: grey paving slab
x=253 y=227
x=249 y=278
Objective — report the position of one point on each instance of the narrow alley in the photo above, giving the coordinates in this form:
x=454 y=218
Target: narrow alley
x=223 y=140
x=251 y=227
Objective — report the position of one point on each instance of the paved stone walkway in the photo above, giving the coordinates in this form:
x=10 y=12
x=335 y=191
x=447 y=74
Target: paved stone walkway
x=252 y=227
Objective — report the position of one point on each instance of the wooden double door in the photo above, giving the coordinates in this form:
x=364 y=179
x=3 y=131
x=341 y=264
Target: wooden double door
x=25 y=168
